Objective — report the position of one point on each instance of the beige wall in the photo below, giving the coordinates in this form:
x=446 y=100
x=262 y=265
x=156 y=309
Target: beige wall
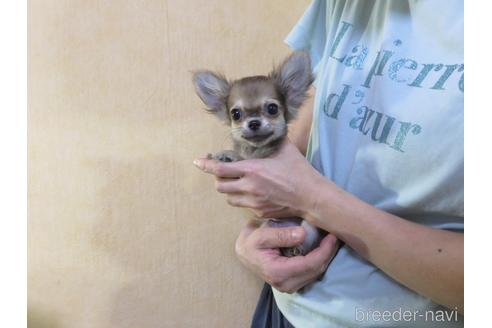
x=123 y=230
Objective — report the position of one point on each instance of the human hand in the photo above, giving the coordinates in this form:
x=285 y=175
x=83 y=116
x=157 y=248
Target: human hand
x=279 y=186
x=257 y=247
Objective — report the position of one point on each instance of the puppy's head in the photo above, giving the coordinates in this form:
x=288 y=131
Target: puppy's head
x=258 y=108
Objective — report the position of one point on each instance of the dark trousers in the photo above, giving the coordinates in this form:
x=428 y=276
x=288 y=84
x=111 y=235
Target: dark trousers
x=267 y=314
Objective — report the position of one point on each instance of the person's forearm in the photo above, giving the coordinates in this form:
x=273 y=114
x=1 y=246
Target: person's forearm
x=299 y=129
x=426 y=260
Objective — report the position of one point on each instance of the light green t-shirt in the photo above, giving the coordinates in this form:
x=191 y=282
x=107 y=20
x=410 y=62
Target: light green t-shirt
x=388 y=128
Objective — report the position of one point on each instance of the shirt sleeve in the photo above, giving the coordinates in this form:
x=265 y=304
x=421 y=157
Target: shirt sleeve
x=310 y=33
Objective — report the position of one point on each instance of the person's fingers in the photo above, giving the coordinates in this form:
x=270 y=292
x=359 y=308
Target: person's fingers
x=300 y=271
x=267 y=237
x=312 y=264
x=294 y=284
x=220 y=169
x=326 y=249
x=248 y=252
x=278 y=212
x=227 y=186
x=223 y=179
x=246 y=232
x=240 y=200
x=320 y=257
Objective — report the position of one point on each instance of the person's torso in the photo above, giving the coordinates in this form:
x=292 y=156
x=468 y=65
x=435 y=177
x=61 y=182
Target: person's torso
x=388 y=128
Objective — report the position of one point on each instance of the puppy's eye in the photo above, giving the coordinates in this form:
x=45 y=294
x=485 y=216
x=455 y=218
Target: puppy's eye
x=272 y=109
x=236 y=114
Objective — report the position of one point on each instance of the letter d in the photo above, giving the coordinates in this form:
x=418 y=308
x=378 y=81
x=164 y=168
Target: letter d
x=338 y=104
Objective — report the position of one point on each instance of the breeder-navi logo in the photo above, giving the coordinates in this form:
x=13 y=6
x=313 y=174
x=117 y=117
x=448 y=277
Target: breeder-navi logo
x=401 y=315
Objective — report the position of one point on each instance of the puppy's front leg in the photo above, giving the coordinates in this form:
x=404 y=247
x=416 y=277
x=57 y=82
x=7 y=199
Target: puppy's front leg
x=226 y=156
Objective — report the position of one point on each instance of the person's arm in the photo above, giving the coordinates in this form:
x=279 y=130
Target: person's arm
x=300 y=128
x=426 y=260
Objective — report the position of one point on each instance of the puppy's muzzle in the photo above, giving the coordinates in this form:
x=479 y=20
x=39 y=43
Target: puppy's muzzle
x=254 y=125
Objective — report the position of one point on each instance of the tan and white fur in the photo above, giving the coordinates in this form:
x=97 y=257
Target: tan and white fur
x=257 y=109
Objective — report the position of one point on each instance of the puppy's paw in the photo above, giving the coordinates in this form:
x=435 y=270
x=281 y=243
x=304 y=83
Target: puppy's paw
x=293 y=251
x=227 y=156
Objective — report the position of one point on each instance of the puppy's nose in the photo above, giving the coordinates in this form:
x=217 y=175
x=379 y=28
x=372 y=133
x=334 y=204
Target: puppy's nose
x=254 y=124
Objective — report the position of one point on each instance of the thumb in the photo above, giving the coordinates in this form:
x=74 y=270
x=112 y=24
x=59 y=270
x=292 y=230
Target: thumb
x=325 y=252
x=269 y=237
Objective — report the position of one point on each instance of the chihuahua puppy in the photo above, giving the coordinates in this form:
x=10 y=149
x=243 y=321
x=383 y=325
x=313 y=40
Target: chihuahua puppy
x=258 y=108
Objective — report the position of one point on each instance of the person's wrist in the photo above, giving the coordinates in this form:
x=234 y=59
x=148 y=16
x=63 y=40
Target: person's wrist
x=311 y=198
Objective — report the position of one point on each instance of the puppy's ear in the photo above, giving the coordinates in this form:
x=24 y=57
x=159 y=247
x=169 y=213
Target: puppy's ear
x=213 y=89
x=293 y=79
